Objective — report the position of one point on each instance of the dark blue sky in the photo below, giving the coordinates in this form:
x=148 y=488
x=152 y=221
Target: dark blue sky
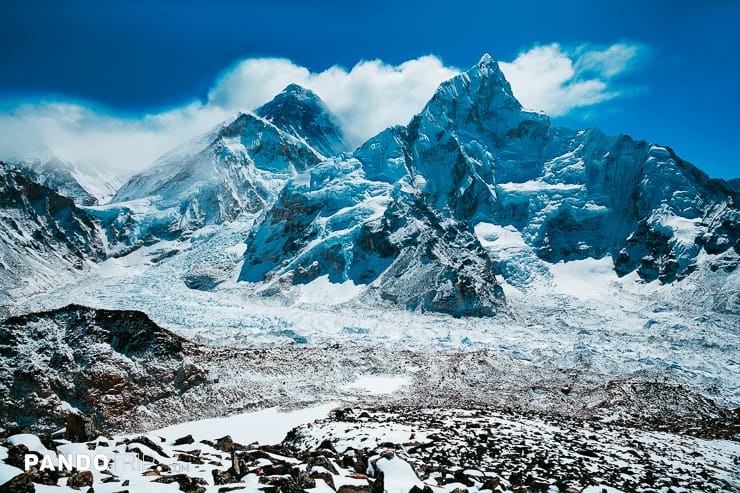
x=137 y=57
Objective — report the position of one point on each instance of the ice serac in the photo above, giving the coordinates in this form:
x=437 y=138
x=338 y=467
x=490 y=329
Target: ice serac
x=301 y=113
x=42 y=235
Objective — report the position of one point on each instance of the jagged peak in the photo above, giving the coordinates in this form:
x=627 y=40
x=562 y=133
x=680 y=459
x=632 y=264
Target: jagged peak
x=483 y=85
x=302 y=113
x=486 y=61
x=487 y=68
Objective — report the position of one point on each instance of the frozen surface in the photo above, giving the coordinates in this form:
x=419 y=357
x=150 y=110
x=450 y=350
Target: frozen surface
x=264 y=426
x=373 y=384
x=577 y=314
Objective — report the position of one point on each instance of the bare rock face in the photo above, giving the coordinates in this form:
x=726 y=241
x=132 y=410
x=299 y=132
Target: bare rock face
x=104 y=363
x=79 y=428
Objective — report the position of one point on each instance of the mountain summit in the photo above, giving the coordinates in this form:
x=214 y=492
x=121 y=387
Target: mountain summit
x=301 y=113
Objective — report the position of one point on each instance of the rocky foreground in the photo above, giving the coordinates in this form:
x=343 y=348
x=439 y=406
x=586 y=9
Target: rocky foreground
x=398 y=450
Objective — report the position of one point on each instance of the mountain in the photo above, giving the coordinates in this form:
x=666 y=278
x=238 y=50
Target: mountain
x=409 y=212
x=59 y=176
x=474 y=195
x=301 y=113
x=43 y=236
x=239 y=167
x=87 y=184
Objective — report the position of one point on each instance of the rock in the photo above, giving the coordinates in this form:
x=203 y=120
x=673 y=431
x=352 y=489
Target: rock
x=189 y=458
x=186 y=440
x=224 y=477
x=185 y=482
x=21 y=483
x=80 y=479
x=149 y=443
x=79 y=428
x=224 y=444
x=16 y=456
x=354 y=489
x=323 y=462
x=378 y=484
x=325 y=476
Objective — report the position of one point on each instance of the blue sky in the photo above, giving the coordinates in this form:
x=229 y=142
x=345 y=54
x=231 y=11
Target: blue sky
x=677 y=85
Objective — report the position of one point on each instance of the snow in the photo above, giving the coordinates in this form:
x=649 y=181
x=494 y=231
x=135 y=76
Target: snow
x=587 y=278
x=265 y=426
x=322 y=290
x=378 y=385
x=535 y=186
x=501 y=237
x=399 y=477
x=8 y=472
x=31 y=441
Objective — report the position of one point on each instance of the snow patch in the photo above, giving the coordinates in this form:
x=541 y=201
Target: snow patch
x=586 y=278
x=499 y=237
x=266 y=426
x=398 y=475
x=378 y=385
x=322 y=291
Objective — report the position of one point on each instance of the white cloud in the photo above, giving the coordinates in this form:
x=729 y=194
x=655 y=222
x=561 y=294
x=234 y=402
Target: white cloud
x=552 y=79
x=368 y=98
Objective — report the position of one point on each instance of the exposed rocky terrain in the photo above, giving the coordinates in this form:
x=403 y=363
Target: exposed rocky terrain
x=398 y=450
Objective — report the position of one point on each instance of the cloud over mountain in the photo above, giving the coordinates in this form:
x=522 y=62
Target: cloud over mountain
x=369 y=97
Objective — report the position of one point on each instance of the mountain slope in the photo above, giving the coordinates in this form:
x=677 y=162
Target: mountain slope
x=42 y=235
x=238 y=168
x=58 y=176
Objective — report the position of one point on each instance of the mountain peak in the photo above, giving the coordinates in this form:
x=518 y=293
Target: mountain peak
x=487 y=68
x=299 y=92
x=303 y=114
x=486 y=59
x=481 y=95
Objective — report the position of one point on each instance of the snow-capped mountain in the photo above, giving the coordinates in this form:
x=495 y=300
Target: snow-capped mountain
x=238 y=168
x=59 y=176
x=301 y=113
x=44 y=236
x=427 y=215
x=474 y=161
x=85 y=184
